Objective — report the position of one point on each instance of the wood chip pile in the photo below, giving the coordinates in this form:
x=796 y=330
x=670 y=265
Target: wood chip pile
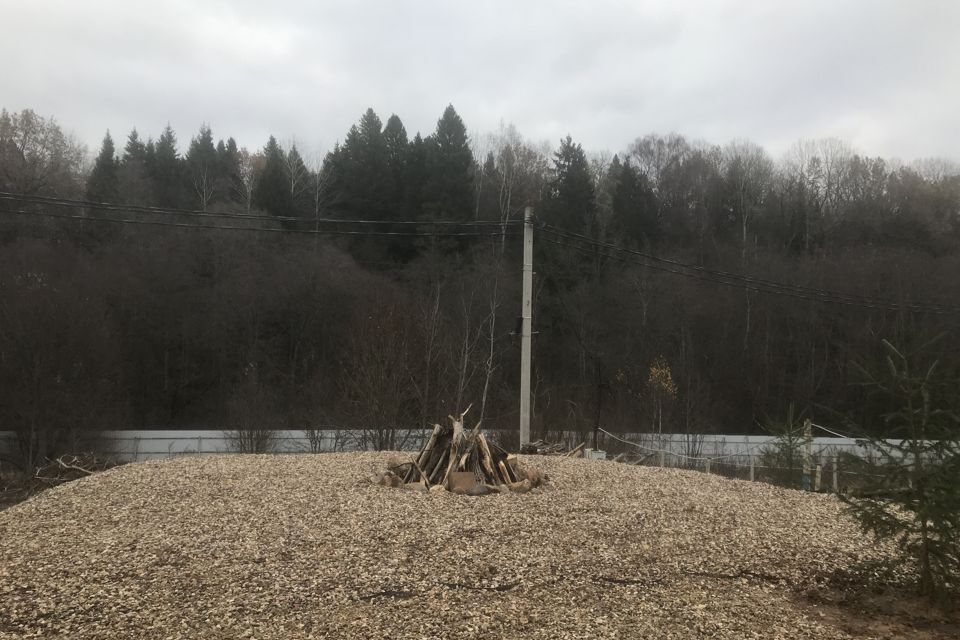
x=302 y=546
x=462 y=462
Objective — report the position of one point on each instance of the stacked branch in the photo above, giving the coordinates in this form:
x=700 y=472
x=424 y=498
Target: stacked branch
x=71 y=467
x=544 y=448
x=463 y=461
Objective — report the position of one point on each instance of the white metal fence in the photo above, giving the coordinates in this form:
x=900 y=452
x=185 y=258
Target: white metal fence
x=133 y=445
x=829 y=464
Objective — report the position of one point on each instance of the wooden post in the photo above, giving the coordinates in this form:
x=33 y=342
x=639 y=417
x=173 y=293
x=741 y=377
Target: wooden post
x=751 y=468
x=836 y=473
x=807 y=453
x=816 y=477
x=660 y=458
x=706 y=465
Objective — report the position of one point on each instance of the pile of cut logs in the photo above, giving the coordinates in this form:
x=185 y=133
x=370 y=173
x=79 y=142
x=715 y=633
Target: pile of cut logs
x=463 y=462
x=544 y=448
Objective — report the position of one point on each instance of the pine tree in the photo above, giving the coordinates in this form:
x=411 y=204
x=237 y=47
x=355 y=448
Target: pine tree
x=202 y=164
x=915 y=492
x=571 y=204
x=634 y=208
x=135 y=150
x=298 y=177
x=272 y=192
x=150 y=155
x=415 y=175
x=333 y=180
x=358 y=183
x=494 y=189
x=167 y=170
x=134 y=173
x=448 y=187
x=398 y=147
x=229 y=170
x=370 y=181
x=103 y=185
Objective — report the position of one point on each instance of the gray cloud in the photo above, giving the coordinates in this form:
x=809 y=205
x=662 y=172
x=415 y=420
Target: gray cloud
x=879 y=74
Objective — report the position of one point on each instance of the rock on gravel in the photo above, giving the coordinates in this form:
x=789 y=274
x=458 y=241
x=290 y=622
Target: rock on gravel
x=306 y=547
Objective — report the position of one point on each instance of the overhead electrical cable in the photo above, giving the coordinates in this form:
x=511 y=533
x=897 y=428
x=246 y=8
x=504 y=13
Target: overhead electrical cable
x=766 y=287
x=756 y=282
x=110 y=206
x=320 y=232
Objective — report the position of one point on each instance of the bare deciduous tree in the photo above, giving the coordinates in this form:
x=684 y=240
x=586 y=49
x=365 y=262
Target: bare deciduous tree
x=203 y=180
x=748 y=170
x=250 y=166
x=378 y=369
x=37 y=157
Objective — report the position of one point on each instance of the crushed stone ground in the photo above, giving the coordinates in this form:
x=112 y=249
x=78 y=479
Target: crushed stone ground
x=303 y=546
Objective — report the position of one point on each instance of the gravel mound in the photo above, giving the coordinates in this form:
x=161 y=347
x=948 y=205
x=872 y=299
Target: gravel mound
x=304 y=546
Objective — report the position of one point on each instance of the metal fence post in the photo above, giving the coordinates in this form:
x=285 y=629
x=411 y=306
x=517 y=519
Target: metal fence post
x=836 y=473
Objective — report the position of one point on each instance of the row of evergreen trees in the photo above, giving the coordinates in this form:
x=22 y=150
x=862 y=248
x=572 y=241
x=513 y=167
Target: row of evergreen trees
x=154 y=173
x=376 y=173
x=664 y=191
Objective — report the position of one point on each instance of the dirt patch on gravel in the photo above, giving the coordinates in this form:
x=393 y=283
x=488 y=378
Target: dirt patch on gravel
x=303 y=546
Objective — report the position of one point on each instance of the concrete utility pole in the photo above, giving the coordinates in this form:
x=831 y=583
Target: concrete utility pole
x=526 y=327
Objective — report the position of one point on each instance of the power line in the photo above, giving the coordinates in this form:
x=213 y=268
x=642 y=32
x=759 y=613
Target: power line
x=759 y=285
x=109 y=206
x=759 y=289
x=740 y=277
x=321 y=232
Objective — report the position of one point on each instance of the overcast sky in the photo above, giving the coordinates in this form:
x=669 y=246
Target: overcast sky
x=882 y=75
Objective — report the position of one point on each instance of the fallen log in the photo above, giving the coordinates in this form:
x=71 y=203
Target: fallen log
x=578 y=451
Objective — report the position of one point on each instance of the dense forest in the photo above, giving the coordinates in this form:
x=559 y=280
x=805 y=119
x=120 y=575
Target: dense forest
x=680 y=286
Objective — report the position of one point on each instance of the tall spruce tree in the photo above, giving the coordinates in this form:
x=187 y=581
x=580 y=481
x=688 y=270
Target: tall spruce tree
x=415 y=175
x=448 y=188
x=272 y=192
x=371 y=178
x=134 y=150
x=333 y=180
x=167 y=170
x=358 y=182
x=298 y=177
x=634 y=207
x=134 y=174
x=202 y=165
x=495 y=188
x=228 y=162
x=398 y=148
x=572 y=201
x=103 y=185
